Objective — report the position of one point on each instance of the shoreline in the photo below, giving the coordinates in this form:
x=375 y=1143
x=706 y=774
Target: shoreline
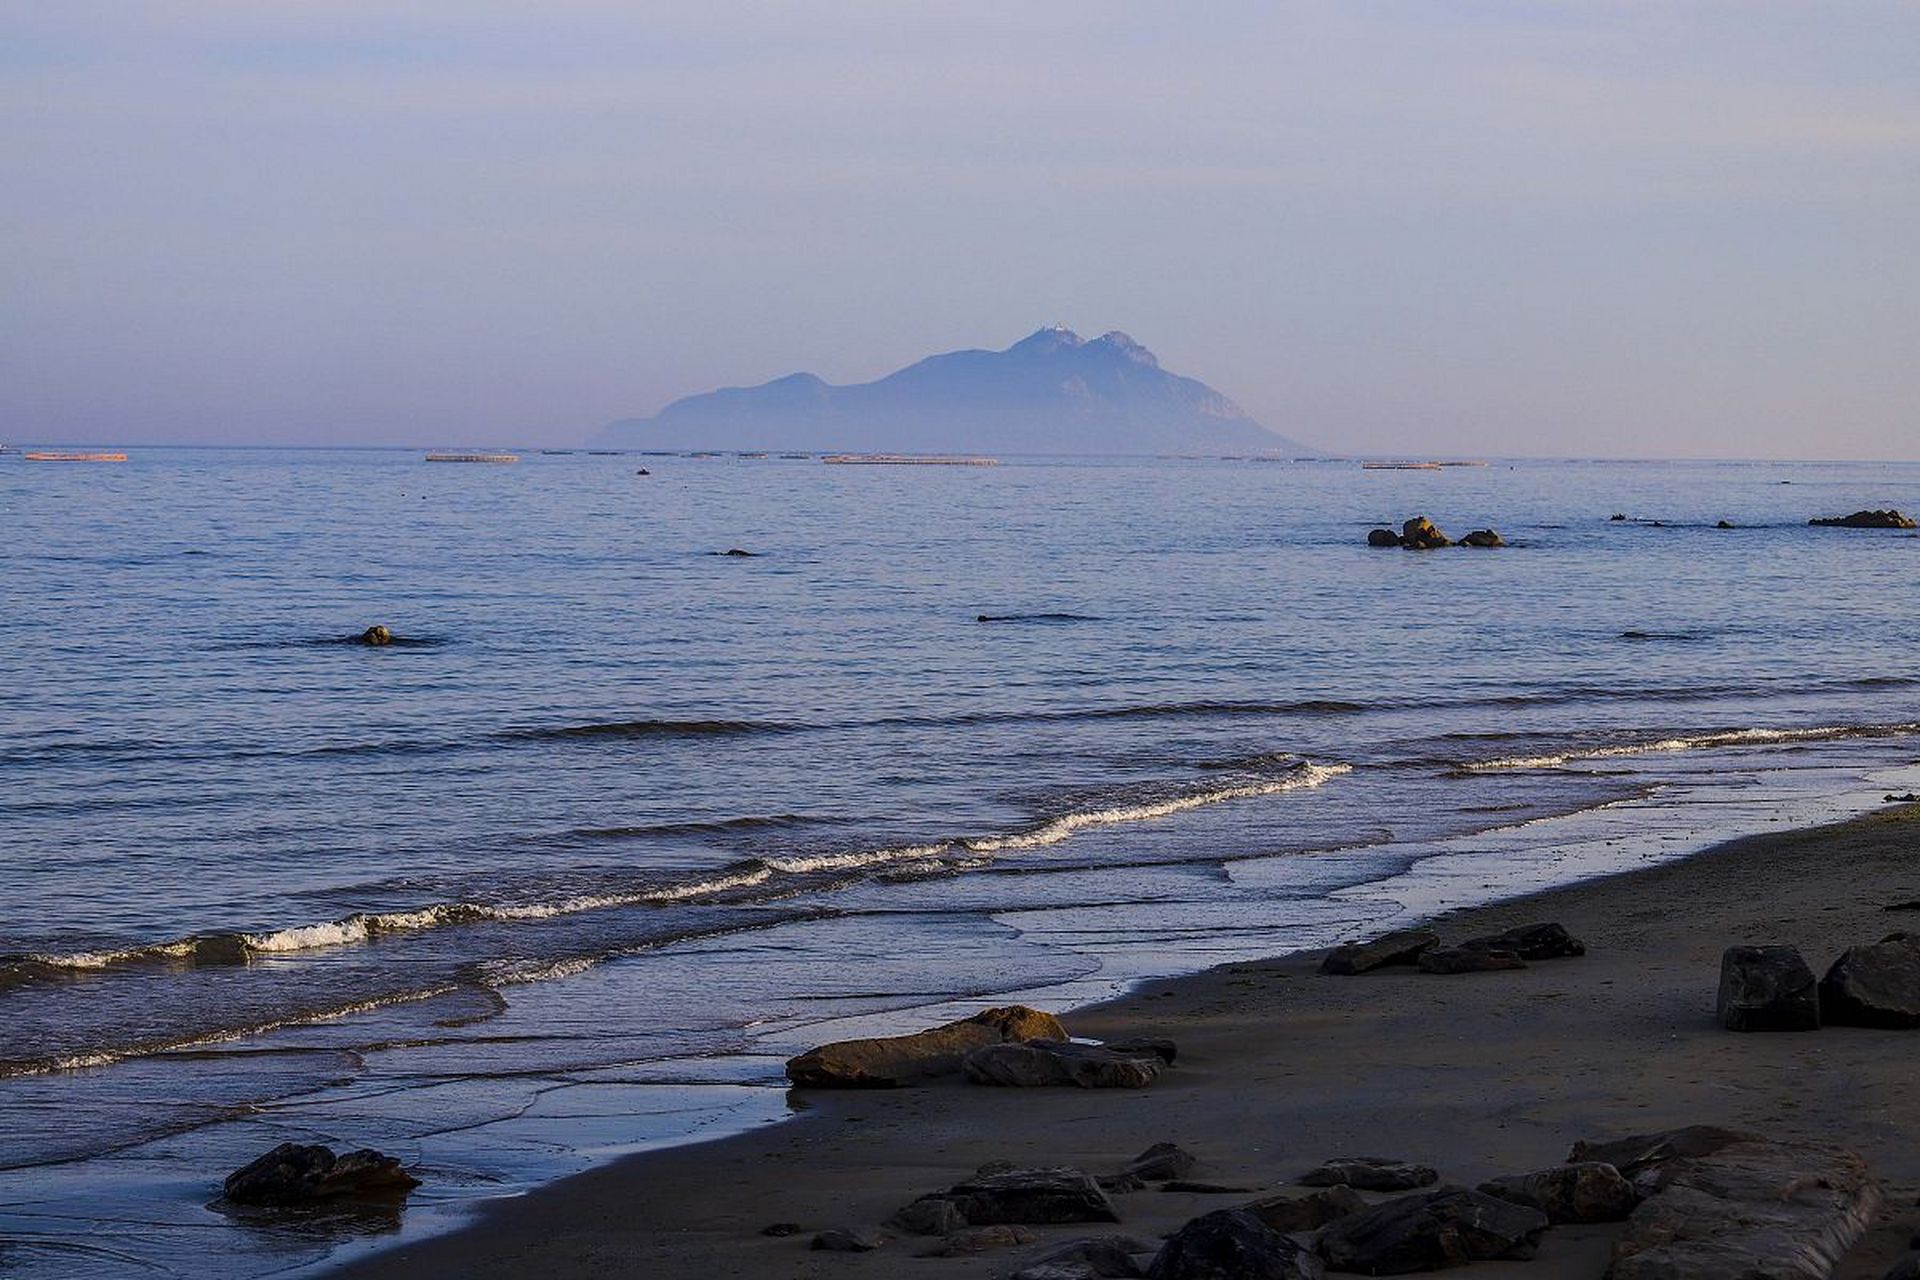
x=1478 y=1075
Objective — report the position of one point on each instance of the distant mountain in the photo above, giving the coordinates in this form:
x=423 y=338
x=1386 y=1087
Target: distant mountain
x=1052 y=392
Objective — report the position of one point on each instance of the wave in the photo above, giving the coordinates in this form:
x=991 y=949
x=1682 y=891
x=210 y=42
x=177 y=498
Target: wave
x=710 y=826
x=1694 y=742
x=1038 y=617
x=648 y=729
x=1057 y=829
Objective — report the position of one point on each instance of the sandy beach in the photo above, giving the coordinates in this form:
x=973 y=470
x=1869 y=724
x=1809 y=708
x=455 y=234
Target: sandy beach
x=1280 y=1068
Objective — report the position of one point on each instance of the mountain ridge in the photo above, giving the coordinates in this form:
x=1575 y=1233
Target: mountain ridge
x=1052 y=392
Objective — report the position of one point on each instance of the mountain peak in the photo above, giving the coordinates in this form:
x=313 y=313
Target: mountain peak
x=1127 y=347
x=1044 y=342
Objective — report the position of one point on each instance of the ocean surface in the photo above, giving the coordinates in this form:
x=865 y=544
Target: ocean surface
x=621 y=821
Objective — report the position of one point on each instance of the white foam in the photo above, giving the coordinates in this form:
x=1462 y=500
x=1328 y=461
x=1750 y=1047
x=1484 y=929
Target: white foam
x=859 y=858
x=1696 y=742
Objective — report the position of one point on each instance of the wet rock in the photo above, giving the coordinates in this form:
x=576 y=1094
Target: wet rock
x=377 y=636
x=1309 y=1212
x=1042 y=1063
x=1446 y=1227
x=1874 y=986
x=1383 y=538
x=1370 y=1173
x=1767 y=989
x=972 y=1240
x=1160 y=1162
x=1483 y=538
x=1591 y=1191
x=1139 y=1046
x=1617 y=517
x=1865 y=520
x=1531 y=942
x=1419 y=534
x=1109 y=1257
x=846 y=1240
x=294 y=1174
x=1032 y=1196
x=1403 y=948
x=1723 y=524
x=935 y=1215
x=1463 y=960
x=1232 y=1244
x=892 y=1061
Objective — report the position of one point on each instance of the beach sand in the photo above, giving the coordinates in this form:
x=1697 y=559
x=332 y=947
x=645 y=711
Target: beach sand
x=1280 y=1068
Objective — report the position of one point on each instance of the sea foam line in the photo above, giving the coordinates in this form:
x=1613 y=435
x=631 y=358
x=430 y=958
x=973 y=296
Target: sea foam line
x=1696 y=742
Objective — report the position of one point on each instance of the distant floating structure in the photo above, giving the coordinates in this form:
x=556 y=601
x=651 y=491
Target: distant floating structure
x=57 y=455
x=906 y=460
x=473 y=457
x=1415 y=466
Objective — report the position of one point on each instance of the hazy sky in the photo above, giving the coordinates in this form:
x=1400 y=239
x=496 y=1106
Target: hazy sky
x=1625 y=228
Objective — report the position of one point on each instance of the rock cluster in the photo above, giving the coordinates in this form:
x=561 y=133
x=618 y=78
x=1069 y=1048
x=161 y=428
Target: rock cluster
x=1421 y=948
x=1865 y=520
x=1771 y=988
x=891 y=1061
x=298 y=1174
x=1034 y=1063
x=1420 y=534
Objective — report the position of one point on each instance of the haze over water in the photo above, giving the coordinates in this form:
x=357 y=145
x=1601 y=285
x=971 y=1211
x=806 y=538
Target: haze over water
x=624 y=821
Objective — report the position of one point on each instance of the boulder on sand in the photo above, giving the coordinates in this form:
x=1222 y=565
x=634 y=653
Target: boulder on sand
x=1402 y=948
x=1232 y=1244
x=1161 y=1162
x=891 y=1061
x=1445 y=1227
x=1875 y=986
x=1039 y=1063
x=295 y=1174
x=1767 y=988
x=846 y=1240
x=1531 y=942
x=1589 y=1191
x=1031 y=1196
x=1106 y=1257
x=1139 y=1046
x=1865 y=520
x=1370 y=1173
x=1309 y=1212
x=1469 y=960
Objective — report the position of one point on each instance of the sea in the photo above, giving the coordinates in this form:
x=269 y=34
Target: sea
x=620 y=820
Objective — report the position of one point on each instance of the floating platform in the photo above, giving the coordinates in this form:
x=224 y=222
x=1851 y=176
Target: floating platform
x=62 y=456
x=906 y=460
x=1400 y=466
x=473 y=457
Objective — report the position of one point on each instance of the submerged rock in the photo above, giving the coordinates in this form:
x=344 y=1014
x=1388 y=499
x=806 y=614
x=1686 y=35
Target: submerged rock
x=1483 y=538
x=1590 y=1191
x=1767 y=989
x=294 y=1174
x=1040 y=1063
x=1875 y=986
x=376 y=636
x=1232 y=1244
x=1370 y=1173
x=1865 y=520
x=1403 y=948
x=891 y=1061
x=1446 y=1227
x=1531 y=942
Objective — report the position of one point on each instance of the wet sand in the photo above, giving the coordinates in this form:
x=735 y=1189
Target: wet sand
x=1280 y=1068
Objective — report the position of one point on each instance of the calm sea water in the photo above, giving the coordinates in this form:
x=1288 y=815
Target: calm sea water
x=624 y=821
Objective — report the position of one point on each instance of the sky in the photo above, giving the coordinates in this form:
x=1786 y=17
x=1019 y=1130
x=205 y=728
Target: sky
x=1631 y=228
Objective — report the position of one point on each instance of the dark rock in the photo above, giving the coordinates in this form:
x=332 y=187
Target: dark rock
x=900 y=1060
x=972 y=1240
x=1874 y=986
x=1646 y=1152
x=845 y=1240
x=1865 y=520
x=1159 y=1162
x=1383 y=538
x=1531 y=942
x=1591 y=1191
x=1139 y=1046
x=1232 y=1244
x=737 y=553
x=1205 y=1188
x=1121 y=1183
x=1108 y=1257
x=1419 y=534
x=1483 y=538
x=1767 y=989
x=377 y=636
x=1039 y=1063
x=293 y=1174
x=1908 y=798
x=1907 y=1268
x=1446 y=1227
x=1032 y=1196
x=1309 y=1212
x=1903 y=906
x=1462 y=960
x=1723 y=524
x=1370 y=1173
x=1057 y=1271
x=1404 y=947
x=935 y=1215
x=1617 y=517
x=782 y=1229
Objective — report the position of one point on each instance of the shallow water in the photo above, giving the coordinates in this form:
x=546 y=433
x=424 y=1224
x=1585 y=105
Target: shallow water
x=629 y=819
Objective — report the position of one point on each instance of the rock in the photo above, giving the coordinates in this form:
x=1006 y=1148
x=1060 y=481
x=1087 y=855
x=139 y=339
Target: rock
x=1591 y=1191
x=737 y=553
x=1767 y=989
x=1723 y=524
x=1419 y=534
x=1903 y=906
x=1617 y=517
x=1205 y=1188
x=1483 y=538
x=1160 y=1162
x=1309 y=1212
x=935 y=1215
x=965 y=1243
x=845 y=1240
x=1140 y=1046
x=1462 y=960
x=1644 y=1153
x=1121 y=1183
x=1063 y=1271
x=293 y=1174
x=1039 y=1063
x=1232 y=1244
x=1383 y=538
x=1102 y=1256
x=377 y=636
x=1908 y=798
x=643 y=472
x=782 y=1229
x=1723 y=1205
x=1874 y=986
x=1032 y=1196
x=1445 y=1227
x=1404 y=947
x=1865 y=520
x=1370 y=1173
x=1531 y=942
x=892 y=1061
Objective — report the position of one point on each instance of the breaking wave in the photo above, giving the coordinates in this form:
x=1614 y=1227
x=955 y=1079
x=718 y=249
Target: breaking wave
x=1695 y=742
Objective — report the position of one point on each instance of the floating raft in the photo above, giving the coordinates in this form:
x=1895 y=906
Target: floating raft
x=906 y=460
x=473 y=457
x=59 y=456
